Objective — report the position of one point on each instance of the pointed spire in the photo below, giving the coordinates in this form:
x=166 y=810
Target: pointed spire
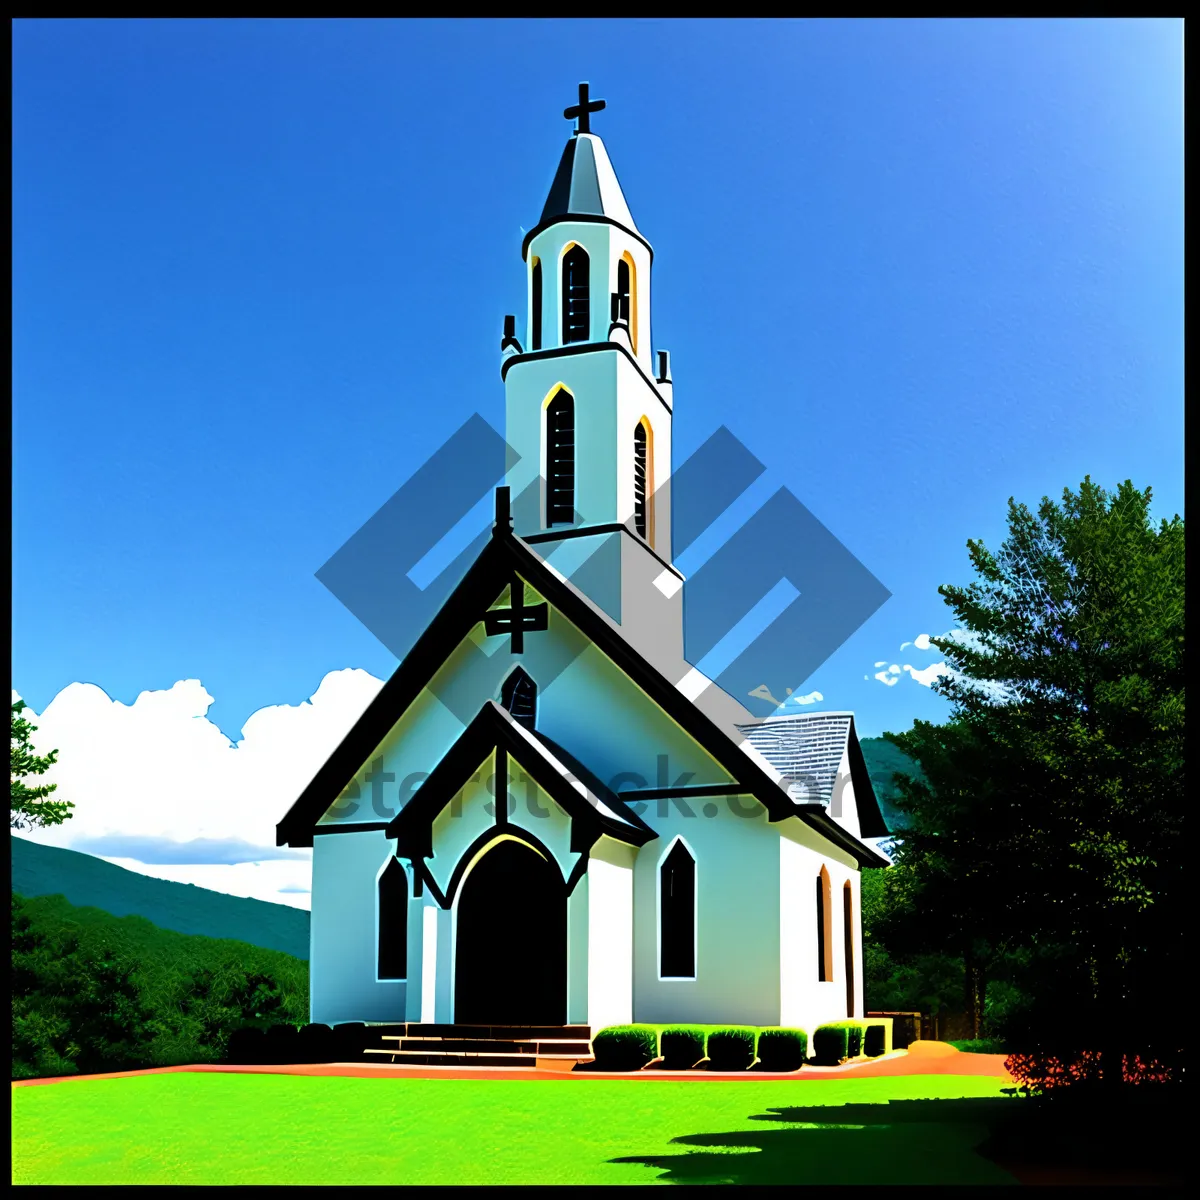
x=586 y=183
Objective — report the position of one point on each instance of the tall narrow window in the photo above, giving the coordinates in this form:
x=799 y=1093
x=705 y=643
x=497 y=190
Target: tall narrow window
x=560 y=459
x=848 y=924
x=535 y=324
x=622 y=306
x=576 y=310
x=824 y=930
x=393 y=922
x=642 y=481
x=627 y=291
x=519 y=695
x=677 y=914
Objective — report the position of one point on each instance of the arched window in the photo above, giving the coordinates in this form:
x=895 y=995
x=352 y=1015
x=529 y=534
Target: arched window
x=848 y=923
x=627 y=296
x=535 y=324
x=518 y=694
x=643 y=481
x=677 y=914
x=576 y=311
x=393 y=922
x=824 y=928
x=560 y=459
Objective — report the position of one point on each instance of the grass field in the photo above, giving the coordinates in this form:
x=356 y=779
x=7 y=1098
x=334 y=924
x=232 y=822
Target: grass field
x=261 y=1129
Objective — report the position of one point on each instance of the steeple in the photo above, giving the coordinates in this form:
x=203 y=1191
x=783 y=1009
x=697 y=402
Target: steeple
x=589 y=402
x=585 y=183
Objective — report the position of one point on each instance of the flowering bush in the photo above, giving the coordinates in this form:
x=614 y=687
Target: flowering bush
x=1040 y=1072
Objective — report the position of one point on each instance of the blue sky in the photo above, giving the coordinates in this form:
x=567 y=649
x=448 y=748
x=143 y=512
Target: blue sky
x=260 y=269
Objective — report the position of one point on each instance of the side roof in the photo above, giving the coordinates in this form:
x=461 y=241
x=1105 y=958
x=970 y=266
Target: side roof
x=503 y=558
x=808 y=748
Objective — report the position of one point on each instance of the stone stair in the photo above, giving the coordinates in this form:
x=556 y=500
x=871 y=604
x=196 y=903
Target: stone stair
x=481 y=1045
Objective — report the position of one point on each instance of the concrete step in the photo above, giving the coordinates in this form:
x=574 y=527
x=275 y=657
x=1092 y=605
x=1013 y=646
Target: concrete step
x=463 y=1059
x=511 y=1033
x=492 y=1046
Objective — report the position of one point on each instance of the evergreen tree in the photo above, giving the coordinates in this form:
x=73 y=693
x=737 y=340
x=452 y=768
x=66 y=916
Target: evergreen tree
x=1053 y=813
x=29 y=806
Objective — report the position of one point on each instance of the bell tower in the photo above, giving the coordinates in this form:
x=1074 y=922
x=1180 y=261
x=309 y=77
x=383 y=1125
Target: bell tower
x=588 y=402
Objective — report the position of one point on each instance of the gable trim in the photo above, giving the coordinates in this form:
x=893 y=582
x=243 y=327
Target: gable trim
x=483 y=583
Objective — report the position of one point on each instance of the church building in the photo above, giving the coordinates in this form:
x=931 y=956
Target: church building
x=599 y=834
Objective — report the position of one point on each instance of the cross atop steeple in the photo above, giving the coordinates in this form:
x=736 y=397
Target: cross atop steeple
x=583 y=110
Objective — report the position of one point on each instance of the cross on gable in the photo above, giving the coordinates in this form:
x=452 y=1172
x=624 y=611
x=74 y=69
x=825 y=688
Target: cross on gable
x=583 y=110
x=517 y=619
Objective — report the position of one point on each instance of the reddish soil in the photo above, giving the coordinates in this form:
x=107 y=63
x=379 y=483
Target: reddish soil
x=915 y=1063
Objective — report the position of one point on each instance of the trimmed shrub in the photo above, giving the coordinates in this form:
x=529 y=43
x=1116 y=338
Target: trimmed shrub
x=625 y=1047
x=782 y=1049
x=681 y=1046
x=877 y=1038
x=731 y=1048
x=315 y=1044
x=246 y=1047
x=349 y=1041
x=282 y=1045
x=837 y=1041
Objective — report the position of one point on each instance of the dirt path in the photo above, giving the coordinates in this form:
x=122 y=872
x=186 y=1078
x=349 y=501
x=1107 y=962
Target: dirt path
x=922 y=1058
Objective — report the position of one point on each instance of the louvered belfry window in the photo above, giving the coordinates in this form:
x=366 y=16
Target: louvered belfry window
x=622 y=306
x=639 y=479
x=560 y=459
x=576 y=311
x=519 y=695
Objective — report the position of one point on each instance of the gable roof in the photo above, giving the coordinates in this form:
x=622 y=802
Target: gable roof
x=808 y=748
x=504 y=557
x=593 y=808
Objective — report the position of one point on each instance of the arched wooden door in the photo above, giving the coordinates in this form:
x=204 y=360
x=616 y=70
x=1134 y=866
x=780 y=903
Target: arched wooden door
x=510 y=957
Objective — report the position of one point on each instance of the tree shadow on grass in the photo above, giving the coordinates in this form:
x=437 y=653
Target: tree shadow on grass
x=905 y=1141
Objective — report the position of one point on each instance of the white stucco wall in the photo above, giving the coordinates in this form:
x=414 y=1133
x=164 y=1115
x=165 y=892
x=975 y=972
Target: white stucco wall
x=805 y=1001
x=737 y=915
x=343 y=963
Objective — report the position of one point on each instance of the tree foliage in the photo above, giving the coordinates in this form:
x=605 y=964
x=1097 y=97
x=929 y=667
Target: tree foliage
x=1047 y=834
x=95 y=993
x=30 y=805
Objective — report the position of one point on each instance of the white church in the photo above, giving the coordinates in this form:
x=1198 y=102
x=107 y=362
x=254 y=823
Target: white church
x=554 y=675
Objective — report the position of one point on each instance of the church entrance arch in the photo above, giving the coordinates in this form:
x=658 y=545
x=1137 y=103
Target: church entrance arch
x=510 y=954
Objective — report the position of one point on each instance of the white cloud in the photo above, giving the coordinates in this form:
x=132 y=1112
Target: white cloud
x=922 y=641
x=159 y=769
x=891 y=676
x=279 y=881
x=926 y=676
x=811 y=698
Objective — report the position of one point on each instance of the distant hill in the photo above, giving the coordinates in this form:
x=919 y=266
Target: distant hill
x=883 y=761
x=39 y=870
x=164 y=955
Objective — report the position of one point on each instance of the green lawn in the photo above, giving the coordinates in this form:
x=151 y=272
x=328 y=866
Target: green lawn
x=210 y=1128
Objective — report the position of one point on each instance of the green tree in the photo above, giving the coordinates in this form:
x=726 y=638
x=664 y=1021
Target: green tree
x=210 y=1004
x=1058 y=785
x=74 y=1010
x=30 y=806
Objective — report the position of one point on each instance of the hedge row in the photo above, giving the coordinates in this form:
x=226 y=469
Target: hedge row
x=289 y=1044
x=840 y=1040
x=735 y=1047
